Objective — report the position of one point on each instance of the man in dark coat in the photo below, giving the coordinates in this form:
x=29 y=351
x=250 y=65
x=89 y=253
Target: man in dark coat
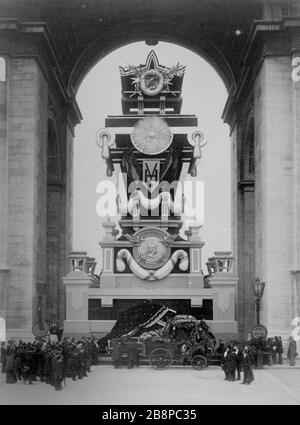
x=268 y=349
x=30 y=360
x=231 y=359
x=47 y=365
x=133 y=355
x=117 y=354
x=3 y=356
x=292 y=351
x=10 y=366
x=239 y=361
x=72 y=365
x=39 y=360
x=58 y=371
x=247 y=366
x=88 y=359
x=60 y=331
x=95 y=350
x=80 y=364
x=82 y=353
x=279 y=348
x=19 y=361
x=67 y=348
x=224 y=363
x=221 y=348
x=274 y=350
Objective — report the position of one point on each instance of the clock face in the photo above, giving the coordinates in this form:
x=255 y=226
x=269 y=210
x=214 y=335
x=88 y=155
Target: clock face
x=152 y=82
x=151 y=135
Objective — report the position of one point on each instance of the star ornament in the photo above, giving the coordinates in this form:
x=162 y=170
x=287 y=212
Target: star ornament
x=152 y=77
x=151 y=135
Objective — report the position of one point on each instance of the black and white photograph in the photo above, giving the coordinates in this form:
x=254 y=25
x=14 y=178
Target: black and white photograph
x=149 y=205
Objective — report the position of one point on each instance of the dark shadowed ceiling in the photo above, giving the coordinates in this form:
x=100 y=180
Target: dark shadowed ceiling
x=84 y=31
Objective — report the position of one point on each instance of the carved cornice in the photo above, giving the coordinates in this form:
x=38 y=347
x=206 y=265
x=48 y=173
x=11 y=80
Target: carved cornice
x=267 y=38
x=33 y=39
x=247 y=185
x=55 y=185
x=4 y=268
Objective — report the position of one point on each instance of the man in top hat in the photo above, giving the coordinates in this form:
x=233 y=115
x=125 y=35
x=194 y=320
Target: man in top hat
x=10 y=365
x=247 y=366
x=3 y=356
x=231 y=362
x=58 y=371
x=279 y=346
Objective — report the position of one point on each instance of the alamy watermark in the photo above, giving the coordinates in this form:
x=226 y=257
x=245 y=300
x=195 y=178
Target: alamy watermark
x=116 y=198
x=296 y=69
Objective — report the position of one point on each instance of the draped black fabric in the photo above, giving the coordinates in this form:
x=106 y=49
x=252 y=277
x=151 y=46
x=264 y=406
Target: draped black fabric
x=171 y=167
x=131 y=166
x=130 y=319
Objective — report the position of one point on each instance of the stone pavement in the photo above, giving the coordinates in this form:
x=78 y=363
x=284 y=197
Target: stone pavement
x=146 y=386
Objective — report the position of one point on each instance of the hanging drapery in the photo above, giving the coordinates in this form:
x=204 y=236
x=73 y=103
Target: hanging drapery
x=171 y=167
x=131 y=167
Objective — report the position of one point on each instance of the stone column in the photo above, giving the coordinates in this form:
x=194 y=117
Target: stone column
x=246 y=269
x=237 y=218
x=67 y=212
x=26 y=190
x=4 y=271
x=59 y=218
x=295 y=270
x=274 y=231
x=55 y=231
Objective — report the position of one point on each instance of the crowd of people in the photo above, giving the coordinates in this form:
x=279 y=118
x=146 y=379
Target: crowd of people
x=52 y=360
x=270 y=348
x=255 y=352
x=235 y=359
x=48 y=361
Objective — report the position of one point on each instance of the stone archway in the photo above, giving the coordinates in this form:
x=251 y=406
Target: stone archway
x=50 y=46
x=173 y=33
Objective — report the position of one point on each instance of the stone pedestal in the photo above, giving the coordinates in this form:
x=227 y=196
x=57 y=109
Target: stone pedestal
x=223 y=283
x=224 y=295
x=77 y=283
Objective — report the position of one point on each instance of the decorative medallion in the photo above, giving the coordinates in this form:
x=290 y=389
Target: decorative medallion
x=40 y=329
x=259 y=331
x=151 y=135
x=151 y=247
x=152 y=82
x=151 y=251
